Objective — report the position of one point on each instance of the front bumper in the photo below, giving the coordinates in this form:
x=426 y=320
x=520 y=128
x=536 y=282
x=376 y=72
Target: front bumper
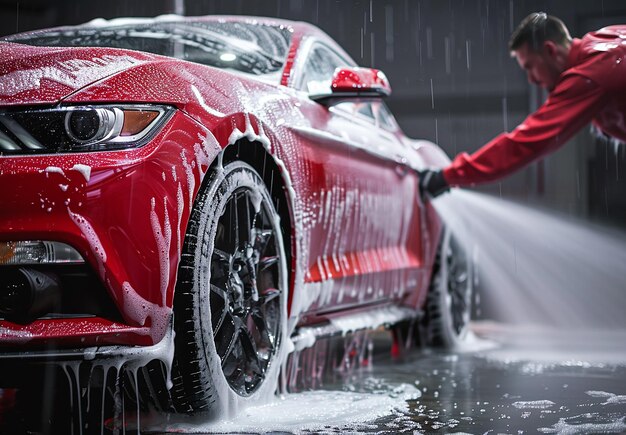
x=130 y=355
x=125 y=212
x=19 y=368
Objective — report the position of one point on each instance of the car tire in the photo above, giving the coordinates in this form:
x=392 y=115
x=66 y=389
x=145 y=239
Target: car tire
x=448 y=304
x=230 y=313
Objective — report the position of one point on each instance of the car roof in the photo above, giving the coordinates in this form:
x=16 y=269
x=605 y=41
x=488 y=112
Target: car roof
x=299 y=29
x=270 y=21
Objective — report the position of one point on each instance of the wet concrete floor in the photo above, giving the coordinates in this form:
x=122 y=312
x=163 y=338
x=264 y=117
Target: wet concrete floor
x=508 y=380
x=529 y=382
x=511 y=380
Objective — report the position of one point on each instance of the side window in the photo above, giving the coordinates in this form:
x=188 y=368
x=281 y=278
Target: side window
x=384 y=117
x=319 y=69
x=365 y=109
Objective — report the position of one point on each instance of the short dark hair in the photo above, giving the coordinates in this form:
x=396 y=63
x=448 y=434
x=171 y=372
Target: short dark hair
x=538 y=28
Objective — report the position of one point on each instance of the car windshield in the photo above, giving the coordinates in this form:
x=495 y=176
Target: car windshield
x=250 y=48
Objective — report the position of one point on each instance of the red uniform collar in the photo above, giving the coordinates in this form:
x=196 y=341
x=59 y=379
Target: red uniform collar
x=573 y=56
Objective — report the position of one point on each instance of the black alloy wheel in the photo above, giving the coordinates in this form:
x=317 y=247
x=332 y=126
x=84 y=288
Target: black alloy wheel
x=448 y=306
x=230 y=303
x=458 y=297
x=245 y=298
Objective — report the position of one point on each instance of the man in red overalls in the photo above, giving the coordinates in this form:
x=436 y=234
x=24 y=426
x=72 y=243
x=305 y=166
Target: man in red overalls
x=587 y=82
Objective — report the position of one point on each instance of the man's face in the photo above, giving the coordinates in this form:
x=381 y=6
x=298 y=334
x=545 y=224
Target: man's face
x=543 y=67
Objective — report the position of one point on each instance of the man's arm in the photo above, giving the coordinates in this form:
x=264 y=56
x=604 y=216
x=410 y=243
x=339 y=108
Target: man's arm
x=571 y=105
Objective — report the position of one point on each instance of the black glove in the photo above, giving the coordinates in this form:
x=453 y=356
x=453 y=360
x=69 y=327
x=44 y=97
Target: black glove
x=432 y=183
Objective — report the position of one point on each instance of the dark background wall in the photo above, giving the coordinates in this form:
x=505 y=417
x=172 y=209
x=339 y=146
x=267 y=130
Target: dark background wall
x=453 y=80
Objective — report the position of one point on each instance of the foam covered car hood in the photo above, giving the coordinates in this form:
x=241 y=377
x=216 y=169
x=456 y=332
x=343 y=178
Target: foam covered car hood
x=46 y=75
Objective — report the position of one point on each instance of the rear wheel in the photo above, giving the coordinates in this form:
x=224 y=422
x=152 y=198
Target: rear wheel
x=448 y=305
x=230 y=302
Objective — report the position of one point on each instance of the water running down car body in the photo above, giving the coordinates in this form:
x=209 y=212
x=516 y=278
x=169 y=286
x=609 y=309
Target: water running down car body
x=236 y=181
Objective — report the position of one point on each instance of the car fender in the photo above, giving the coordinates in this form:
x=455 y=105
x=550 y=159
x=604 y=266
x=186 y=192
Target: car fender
x=247 y=130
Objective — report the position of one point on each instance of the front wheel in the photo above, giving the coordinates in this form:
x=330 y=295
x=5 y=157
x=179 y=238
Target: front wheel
x=448 y=305
x=230 y=303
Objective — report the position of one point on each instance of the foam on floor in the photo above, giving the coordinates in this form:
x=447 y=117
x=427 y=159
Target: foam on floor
x=311 y=411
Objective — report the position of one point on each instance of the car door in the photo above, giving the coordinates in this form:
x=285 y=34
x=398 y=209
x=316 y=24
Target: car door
x=362 y=220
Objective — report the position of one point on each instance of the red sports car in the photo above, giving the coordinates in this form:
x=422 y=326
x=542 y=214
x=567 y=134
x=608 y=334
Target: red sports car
x=190 y=197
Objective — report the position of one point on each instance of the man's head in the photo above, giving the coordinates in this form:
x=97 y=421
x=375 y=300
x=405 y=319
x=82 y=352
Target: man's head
x=541 y=45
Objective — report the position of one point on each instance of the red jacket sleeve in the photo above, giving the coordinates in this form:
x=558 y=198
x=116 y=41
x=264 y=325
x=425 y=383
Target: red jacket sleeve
x=569 y=107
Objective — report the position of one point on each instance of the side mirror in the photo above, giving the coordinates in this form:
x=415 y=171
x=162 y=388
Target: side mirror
x=355 y=83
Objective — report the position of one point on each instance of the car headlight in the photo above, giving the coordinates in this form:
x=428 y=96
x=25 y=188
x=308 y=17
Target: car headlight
x=79 y=128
